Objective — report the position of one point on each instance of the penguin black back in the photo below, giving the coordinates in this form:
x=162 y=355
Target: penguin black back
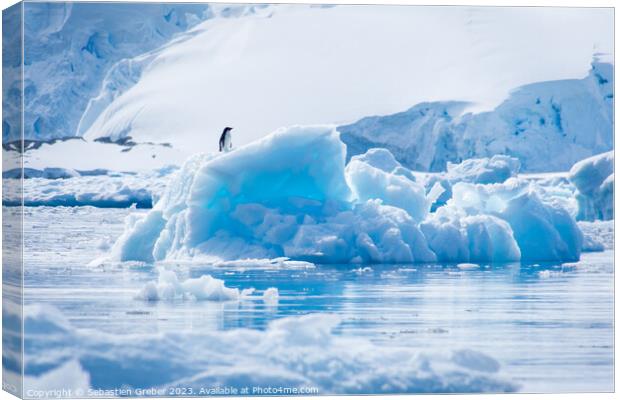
x=225 y=138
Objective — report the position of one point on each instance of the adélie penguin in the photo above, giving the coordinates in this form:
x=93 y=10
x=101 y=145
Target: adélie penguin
x=226 y=140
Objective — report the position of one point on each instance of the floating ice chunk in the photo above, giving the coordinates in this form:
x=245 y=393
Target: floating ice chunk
x=467 y=266
x=169 y=287
x=545 y=274
x=594 y=179
x=271 y=296
x=276 y=263
x=300 y=351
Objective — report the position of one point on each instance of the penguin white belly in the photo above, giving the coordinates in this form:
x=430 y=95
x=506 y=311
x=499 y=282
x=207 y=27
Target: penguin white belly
x=227 y=142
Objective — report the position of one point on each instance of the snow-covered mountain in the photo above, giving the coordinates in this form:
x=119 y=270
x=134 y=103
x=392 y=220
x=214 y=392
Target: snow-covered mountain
x=548 y=126
x=260 y=67
x=69 y=48
x=291 y=64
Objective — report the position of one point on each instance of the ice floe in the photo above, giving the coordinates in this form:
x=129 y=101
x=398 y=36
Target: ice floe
x=296 y=352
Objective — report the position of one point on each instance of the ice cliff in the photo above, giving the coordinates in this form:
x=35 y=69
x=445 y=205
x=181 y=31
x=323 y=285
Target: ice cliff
x=548 y=126
x=290 y=194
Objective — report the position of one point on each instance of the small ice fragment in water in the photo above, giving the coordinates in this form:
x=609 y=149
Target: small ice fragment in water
x=467 y=266
x=271 y=296
x=361 y=270
x=548 y=274
x=169 y=287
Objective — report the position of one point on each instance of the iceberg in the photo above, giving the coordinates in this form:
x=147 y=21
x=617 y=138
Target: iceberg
x=290 y=195
x=594 y=180
x=285 y=195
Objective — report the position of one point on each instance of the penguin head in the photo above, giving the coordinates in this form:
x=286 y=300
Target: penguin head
x=227 y=129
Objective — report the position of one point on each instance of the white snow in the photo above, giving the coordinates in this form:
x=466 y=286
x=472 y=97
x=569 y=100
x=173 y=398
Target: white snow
x=292 y=64
x=594 y=179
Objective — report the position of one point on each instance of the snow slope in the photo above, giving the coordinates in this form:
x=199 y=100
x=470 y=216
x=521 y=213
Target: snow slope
x=547 y=126
x=69 y=48
x=288 y=64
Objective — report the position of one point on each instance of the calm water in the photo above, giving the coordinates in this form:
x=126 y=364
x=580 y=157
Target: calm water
x=549 y=326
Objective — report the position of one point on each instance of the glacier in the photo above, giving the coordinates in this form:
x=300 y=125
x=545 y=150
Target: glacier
x=72 y=49
x=290 y=194
x=594 y=180
x=253 y=72
x=172 y=91
x=564 y=120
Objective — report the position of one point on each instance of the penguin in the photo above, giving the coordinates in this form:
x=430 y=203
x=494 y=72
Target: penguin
x=226 y=140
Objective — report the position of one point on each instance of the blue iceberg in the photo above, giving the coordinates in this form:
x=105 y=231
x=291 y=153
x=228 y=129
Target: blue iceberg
x=291 y=195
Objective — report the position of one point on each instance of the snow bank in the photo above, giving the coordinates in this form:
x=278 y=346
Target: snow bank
x=594 y=179
x=169 y=287
x=291 y=352
x=290 y=195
